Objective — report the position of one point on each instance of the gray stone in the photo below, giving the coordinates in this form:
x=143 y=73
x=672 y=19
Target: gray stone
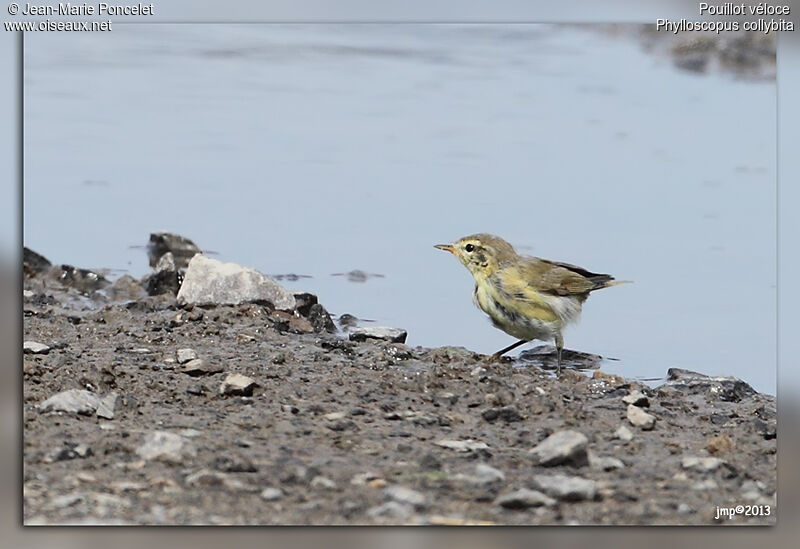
x=708 y=484
x=395 y=335
x=684 y=509
x=636 y=398
x=271 y=494
x=564 y=487
x=406 y=496
x=640 y=418
x=726 y=389
x=211 y=282
x=468 y=445
x=604 y=463
x=70 y=450
x=323 y=482
x=523 y=499
x=35 y=348
x=623 y=433
x=181 y=248
x=701 y=464
x=164 y=446
x=166 y=263
x=74 y=401
x=237 y=384
x=486 y=474
x=185 y=355
x=199 y=367
x=106 y=407
x=562 y=447
x=392 y=510
x=33 y=263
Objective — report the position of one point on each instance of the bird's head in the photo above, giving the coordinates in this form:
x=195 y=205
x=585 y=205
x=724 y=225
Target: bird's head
x=480 y=253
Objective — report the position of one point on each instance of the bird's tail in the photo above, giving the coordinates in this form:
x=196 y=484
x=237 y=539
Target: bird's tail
x=606 y=281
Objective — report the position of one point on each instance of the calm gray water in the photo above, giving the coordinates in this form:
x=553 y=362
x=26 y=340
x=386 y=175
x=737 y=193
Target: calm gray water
x=317 y=149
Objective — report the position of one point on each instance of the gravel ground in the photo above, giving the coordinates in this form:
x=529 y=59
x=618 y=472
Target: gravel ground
x=324 y=430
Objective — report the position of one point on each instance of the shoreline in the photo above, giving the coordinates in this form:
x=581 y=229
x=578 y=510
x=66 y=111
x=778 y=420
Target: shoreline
x=145 y=409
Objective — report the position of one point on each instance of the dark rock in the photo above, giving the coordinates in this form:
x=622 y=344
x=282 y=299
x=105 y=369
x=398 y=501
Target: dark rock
x=181 y=248
x=509 y=414
x=726 y=389
x=768 y=430
x=429 y=461
x=163 y=282
x=152 y=304
x=233 y=464
x=347 y=321
x=304 y=301
x=343 y=425
x=33 y=263
x=197 y=389
x=70 y=450
x=83 y=280
x=320 y=319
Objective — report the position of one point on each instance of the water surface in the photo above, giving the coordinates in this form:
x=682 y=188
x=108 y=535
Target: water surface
x=319 y=149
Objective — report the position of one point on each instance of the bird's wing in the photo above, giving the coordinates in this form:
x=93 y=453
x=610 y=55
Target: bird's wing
x=549 y=277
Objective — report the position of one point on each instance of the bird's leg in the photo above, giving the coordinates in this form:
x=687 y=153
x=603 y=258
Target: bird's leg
x=501 y=352
x=559 y=348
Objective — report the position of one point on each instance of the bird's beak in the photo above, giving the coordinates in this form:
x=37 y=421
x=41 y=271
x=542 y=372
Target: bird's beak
x=446 y=247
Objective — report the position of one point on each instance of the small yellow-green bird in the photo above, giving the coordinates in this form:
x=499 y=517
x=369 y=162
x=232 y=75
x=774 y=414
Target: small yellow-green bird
x=526 y=297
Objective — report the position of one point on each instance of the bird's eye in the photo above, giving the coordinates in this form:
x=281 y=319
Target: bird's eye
x=469 y=248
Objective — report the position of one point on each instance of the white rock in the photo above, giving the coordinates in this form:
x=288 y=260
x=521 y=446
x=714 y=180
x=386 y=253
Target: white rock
x=462 y=445
x=604 y=463
x=565 y=488
x=211 y=282
x=636 y=398
x=164 y=446
x=237 y=384
x=623 y=433
x=395 y=335
x=486 y=474
x=271 y=494
x=561 y=447
x=406 y=496
x=106 y=407
x=35 y=348
x=640 y=418
x=323 y=482
x=75 y=401
x=392 y=510
x=701 y=464
x=524 y=498
x=185 y=355
x=706 y=485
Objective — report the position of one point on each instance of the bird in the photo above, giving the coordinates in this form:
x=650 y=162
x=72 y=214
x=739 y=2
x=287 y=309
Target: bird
x=526 y=297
